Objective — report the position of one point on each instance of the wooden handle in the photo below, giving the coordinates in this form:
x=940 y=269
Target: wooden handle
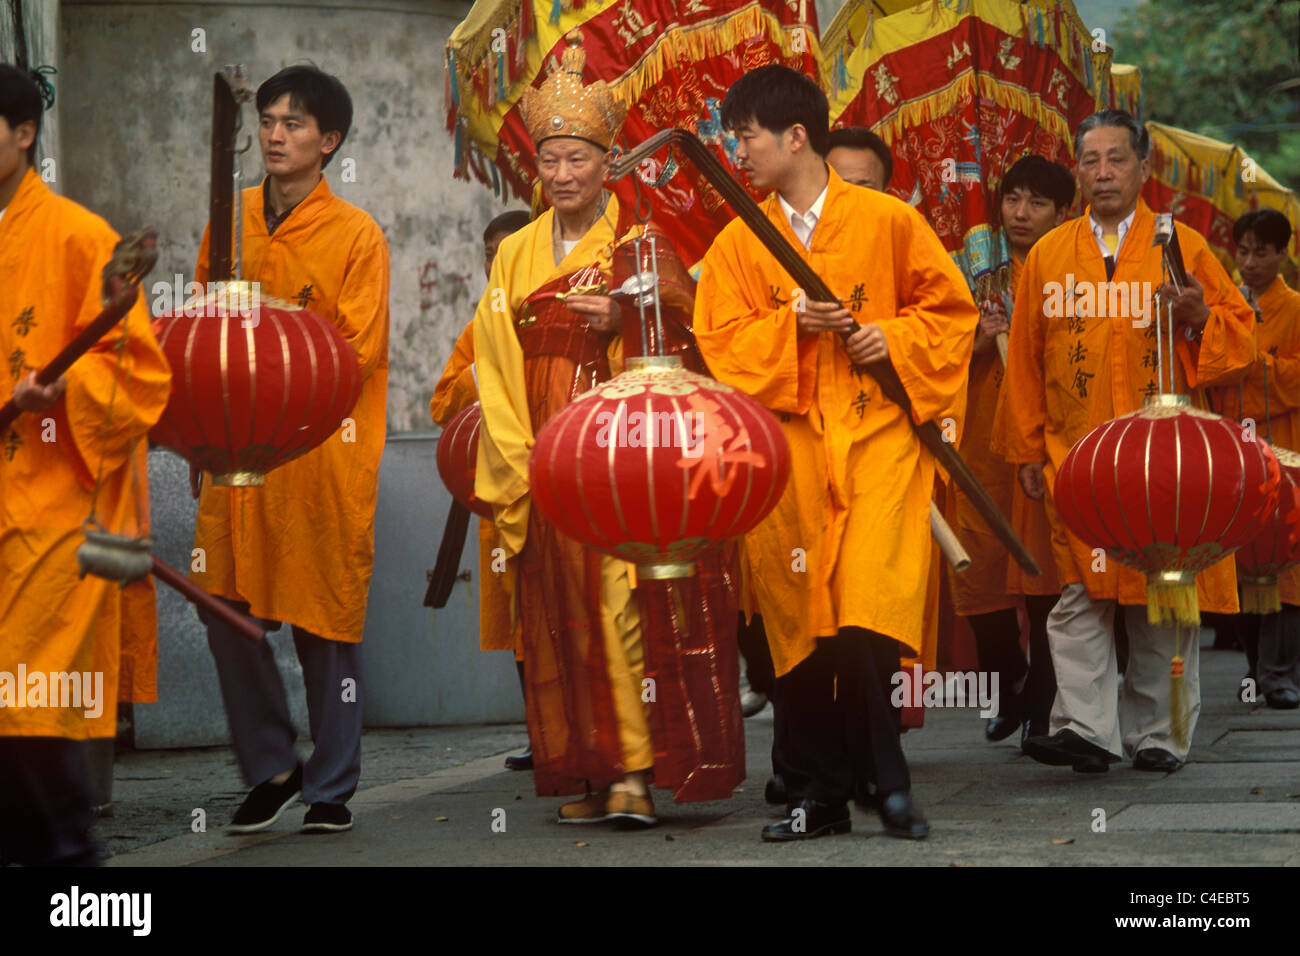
x=882 y=371
x=1002 y=339
x=947 y=541
x=196 y=595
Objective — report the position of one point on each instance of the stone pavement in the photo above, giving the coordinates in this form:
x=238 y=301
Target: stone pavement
x=440 y=796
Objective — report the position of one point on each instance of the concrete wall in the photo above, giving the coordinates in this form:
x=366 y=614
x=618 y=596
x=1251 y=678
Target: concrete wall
x=135 y=109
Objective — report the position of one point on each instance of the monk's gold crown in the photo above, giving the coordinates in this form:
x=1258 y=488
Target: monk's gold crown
x=563 y=106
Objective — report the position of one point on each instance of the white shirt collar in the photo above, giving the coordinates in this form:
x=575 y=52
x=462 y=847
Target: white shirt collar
x=1121 y=232
x=803 y=225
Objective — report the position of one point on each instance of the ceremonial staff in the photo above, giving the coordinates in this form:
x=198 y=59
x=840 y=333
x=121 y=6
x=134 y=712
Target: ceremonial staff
x=882 y=371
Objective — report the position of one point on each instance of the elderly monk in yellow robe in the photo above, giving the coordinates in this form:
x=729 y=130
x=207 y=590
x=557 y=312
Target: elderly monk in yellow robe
x=61 y=635
x=1270 y=396
x=300 y=548
x=1035 y=198
x=544 y=333
x=1068 y=373
x=456 y=390
x=840 y=566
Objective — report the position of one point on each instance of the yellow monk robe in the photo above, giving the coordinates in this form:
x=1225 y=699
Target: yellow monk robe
x=300 y=549
x=525 y=261
x=51 y=254
x=455 y=392
x=1277 y=371
x=1068 y=374
x=858 y=502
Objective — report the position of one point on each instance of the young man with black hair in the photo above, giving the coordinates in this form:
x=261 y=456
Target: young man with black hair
x=1036 y=195
x=840 y=566
x=456 y=390
x=1270 y=395
x=1068 y=374
x=860 y=157
x=52 y=622
x=300 y=549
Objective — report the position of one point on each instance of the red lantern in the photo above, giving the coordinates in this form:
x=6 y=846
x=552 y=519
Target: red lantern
x=657 y=465
x=1277 y=547
x=1168 y=490
x=256 y=382
x=458 y=458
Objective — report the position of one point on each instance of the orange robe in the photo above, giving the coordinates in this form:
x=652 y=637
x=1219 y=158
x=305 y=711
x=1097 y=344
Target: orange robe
x=300 y=549
x=849 y=543
x=1067 y=375
x=51 y=254
x=455 y=392
x=1276 y=371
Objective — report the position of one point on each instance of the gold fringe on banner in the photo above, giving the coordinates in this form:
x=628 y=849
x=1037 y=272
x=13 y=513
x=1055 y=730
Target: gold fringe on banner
x=1260 y=596
x=710 y=38
x=1172 y=603
x=934 y=105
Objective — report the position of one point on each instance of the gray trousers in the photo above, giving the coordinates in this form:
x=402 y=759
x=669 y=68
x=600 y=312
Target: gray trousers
x=1081 y=634
x=257 y=710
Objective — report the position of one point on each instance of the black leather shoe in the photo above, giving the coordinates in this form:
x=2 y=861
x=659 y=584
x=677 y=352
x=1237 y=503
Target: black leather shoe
x=1153 y=758
x=810 y=819
x=1065 y=748
x=774 y=792
x=901 y=817
x=1284 y=699
x=1001 y=727
x=523 y=761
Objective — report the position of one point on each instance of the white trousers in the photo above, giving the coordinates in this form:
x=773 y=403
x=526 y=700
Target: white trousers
x=1081 y=634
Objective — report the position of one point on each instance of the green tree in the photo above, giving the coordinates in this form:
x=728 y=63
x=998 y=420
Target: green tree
x=1214 y=67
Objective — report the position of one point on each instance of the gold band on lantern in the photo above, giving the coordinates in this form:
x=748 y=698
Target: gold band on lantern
x=1166 y=400
x=666 y=570
x=653 y=363
x=239 y=479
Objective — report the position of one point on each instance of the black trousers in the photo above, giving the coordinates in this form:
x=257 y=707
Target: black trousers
x=45 y=802
x=836 y=723
x=997 y=644
x=761 y=674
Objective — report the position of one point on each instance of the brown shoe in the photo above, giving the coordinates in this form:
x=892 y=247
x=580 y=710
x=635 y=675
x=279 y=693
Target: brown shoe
x=590 y=809
x=629 y=810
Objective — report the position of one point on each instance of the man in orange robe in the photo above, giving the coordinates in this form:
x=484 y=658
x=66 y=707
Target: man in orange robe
x=300 y=548
x=1035 y=198
x=456 y=390
x=1067 y=373
x=840 y=566
x=1270 y=396
x=78 y=448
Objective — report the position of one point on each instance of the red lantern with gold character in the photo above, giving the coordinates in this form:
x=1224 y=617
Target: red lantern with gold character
x=256 y=382
x=658 y=464
x=1276 y=548
x=1168 y=490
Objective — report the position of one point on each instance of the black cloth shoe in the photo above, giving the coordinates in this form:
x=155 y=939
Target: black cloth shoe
x=1153 y=758
x=1284 y=699
x=775 y=791
x=265 y=802
x=327 y=818
x=816 y=819
x=523 y=761
x=1065 y=748
x=901 y=817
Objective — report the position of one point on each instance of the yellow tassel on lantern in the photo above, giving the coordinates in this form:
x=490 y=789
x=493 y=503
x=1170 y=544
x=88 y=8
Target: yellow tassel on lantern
x=1260 y=596
x=1171 y=600
x=1179 y=712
